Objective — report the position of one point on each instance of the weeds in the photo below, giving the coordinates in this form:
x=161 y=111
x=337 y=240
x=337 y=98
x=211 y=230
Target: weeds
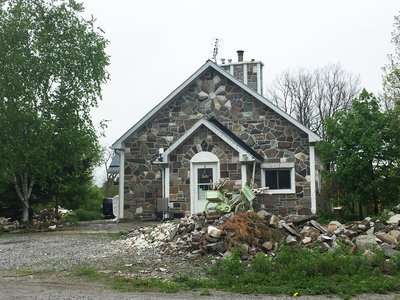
x=205 y=293
x=308 y=271
x=89 y=272
x=141 y=285
x=296 y=270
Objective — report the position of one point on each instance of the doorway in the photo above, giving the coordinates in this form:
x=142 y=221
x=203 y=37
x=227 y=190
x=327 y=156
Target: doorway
x=204 y=173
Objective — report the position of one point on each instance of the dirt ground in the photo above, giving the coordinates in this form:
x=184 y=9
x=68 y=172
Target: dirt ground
x=39 y=266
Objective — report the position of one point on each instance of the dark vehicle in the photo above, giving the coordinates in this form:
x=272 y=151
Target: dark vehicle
x=108 y=208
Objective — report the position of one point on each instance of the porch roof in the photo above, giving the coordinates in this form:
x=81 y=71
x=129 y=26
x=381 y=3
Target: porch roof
x=246 y=153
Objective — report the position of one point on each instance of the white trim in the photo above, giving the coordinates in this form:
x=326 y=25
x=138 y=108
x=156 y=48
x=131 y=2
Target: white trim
x=241 y=63
x=312 y=137
x=312 y=174
x=204 y=156
x=244 y=174
x=245 y=74
x=243 y=154
x=282 y=191
x=163 y=182
x=231 y=70
x=200 y=159
x=166 y=185
x=121 y=184
x=259 y=82
x=279 y=165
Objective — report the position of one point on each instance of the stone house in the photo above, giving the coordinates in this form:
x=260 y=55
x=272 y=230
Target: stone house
x=216 y=125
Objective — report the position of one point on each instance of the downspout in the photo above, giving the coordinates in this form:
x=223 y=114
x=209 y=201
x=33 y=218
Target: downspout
x=244 y=174
x=164 y=192
x=162 y=181
x=166 y=183
x=254 y=174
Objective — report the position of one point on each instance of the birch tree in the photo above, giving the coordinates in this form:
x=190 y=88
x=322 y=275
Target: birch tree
x=47 y=49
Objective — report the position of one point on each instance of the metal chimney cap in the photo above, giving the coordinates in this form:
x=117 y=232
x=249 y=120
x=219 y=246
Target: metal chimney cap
x=240 y=55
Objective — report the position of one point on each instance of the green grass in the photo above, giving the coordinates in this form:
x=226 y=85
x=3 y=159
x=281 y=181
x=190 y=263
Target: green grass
x=308 y=272
x=151 y=284
x=4 y=234
x=205 y=293
x=293 y=270
x=88 y=272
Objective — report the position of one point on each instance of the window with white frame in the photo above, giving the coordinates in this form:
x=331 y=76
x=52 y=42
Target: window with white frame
x=278 y=177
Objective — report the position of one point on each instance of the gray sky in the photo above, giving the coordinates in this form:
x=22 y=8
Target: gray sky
x=156 y=45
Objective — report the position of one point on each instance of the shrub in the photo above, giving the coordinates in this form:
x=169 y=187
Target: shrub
x=307 y=271
x=87 y=215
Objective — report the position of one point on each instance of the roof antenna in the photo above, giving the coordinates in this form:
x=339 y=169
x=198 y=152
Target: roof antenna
x=216 y=44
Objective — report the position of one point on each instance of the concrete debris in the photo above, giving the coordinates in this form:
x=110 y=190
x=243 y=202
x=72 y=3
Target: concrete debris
x=394 y=219
x=7 y=225
x=46 y=220
x=251 y=233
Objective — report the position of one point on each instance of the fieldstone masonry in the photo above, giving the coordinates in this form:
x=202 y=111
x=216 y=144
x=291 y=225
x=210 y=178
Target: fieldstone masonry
x=212 y=95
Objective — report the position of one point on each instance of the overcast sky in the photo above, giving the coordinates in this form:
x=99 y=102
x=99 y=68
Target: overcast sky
x=156 y=45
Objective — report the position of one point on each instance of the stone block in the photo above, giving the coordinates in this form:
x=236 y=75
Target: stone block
x=304 y=211
x=365 y=241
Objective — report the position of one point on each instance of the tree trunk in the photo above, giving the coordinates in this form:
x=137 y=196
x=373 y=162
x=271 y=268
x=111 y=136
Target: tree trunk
x=57 y=201
x=360 y=211
x=25 y=194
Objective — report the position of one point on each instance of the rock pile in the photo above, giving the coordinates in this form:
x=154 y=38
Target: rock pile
x=47 y=219
x=258 y=232
x=7 y=225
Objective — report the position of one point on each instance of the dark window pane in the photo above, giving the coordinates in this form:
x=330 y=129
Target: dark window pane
x=284 y=179
x=278 y=179
x=205 y=175
x=271 y=179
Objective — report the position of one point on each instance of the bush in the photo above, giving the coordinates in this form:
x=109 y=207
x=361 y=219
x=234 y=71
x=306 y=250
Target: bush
x=87 y=215
x=346 y=217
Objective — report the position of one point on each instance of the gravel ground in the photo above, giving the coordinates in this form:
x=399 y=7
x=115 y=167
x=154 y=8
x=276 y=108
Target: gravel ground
x=39 y=265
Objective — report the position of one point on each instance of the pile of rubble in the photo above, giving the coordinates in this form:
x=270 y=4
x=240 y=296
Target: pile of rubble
x=47 y=219
x=258 y=232
x=7 y=225
x=50 y=219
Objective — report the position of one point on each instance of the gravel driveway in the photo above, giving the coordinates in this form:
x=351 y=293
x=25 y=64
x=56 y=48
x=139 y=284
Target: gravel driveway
x=39 y=265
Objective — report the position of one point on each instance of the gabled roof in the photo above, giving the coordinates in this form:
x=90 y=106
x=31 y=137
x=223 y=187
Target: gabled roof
x=245 y=152
x=235 y=138
x=313 y=137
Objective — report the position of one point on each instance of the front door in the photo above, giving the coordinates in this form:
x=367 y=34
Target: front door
x=205 y=175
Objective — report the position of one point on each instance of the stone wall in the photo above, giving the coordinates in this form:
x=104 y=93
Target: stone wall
x=211 y=95
x=202 y=140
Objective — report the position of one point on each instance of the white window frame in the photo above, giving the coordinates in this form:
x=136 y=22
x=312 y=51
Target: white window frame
x=279 y=166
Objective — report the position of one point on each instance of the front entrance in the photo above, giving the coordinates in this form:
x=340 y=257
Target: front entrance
x=204 y=173
x=204 y=177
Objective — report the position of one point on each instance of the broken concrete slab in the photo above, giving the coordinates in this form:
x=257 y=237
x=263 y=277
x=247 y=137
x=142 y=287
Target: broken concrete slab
x=395 y=219
x=365 y=241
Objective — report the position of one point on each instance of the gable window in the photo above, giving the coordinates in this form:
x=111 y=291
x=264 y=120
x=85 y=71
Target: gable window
x=279 y=177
